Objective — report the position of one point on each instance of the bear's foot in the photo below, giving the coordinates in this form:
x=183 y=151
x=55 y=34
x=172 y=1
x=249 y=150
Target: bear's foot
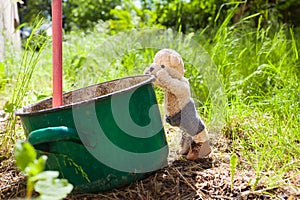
x=198 y=151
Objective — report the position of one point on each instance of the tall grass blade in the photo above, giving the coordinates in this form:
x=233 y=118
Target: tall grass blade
x=233 y=164
x=31 y=55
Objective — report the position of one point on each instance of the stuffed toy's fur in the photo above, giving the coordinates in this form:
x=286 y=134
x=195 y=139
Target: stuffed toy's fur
x=168 y=69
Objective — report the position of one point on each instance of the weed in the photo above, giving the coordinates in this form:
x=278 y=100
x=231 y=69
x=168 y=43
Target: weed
x=25 y=70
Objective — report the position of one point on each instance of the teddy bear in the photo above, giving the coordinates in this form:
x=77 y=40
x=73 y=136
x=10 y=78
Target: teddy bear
x=168 y=69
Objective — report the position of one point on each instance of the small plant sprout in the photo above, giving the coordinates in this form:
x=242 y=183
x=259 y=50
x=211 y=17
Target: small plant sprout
x=233 y=164
x=45 y=183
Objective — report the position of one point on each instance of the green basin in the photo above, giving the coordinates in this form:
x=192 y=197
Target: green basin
x=105 y=136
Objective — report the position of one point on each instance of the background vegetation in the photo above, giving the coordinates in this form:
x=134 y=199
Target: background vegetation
x=183 y=15
x=254 y=45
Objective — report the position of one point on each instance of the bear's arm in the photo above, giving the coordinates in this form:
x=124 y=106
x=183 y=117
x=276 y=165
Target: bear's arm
x=175 y=86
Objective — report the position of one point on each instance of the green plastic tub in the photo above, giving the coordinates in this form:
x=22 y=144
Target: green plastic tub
x=105 y=136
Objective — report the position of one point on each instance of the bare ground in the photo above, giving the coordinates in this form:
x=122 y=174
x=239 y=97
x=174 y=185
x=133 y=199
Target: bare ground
x=205 y=179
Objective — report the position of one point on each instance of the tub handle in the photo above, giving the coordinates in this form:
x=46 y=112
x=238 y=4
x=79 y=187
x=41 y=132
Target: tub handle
x=53 y=134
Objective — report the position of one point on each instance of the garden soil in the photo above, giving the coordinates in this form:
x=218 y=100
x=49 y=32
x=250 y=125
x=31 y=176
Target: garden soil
x=209 y=178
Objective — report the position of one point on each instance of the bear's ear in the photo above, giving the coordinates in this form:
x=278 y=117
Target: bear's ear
x=177 y=61
x=161 y=57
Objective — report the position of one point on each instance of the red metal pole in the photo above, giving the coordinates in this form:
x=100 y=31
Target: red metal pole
x=57 y=52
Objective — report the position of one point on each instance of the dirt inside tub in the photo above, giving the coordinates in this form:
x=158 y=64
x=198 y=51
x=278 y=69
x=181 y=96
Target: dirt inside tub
x=88 y=93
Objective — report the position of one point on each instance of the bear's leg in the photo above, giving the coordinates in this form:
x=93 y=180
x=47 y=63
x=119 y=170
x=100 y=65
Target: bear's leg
x=189 y=121
x=185 y=143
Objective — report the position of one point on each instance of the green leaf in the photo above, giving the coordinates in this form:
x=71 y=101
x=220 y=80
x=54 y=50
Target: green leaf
x=24 y=154
x=2 y=76
x=9 y=107
x=45 y=175
x=2 y=70
x=37 y=166
x=52 y=188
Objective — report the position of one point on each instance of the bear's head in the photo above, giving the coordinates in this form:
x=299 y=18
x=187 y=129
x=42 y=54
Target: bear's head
x=170 y=59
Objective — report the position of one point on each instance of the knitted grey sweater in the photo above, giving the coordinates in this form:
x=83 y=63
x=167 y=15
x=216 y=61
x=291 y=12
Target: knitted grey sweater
x=187 y=119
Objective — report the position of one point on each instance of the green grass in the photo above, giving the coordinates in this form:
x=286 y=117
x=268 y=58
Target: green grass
x=19 y=74
x=260 y=70
x=251 y=87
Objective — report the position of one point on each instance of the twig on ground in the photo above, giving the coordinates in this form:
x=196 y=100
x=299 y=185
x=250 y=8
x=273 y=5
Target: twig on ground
x=199 y=192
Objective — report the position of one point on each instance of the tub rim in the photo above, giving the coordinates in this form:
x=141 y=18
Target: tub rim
x=20 y=111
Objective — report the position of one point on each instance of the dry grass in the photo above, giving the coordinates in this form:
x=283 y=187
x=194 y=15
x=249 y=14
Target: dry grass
x=205 y=179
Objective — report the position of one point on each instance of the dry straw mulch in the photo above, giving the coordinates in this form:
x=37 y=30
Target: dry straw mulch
x=205 y=179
